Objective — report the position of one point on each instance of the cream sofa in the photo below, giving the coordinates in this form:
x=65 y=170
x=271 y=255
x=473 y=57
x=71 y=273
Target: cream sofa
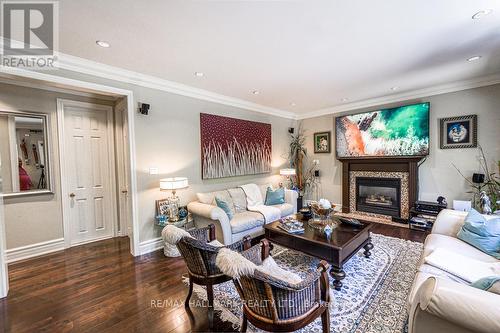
x=244 y=222
x=437 y=303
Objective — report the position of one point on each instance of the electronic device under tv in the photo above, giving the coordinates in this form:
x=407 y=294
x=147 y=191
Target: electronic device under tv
x=400 y=131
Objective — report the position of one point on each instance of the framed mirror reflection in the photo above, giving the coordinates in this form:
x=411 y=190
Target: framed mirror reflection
x=24 y=148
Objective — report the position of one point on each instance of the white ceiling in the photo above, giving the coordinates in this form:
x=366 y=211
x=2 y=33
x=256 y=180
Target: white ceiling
x=313 y=53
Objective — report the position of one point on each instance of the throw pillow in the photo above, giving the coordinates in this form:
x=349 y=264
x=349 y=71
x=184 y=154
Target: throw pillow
x=225 y=207
x=490 y=283
x=275 y=197
x=481 y=233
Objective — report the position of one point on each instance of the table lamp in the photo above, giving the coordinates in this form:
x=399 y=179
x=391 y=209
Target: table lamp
x=289 y=172
x=173 y=184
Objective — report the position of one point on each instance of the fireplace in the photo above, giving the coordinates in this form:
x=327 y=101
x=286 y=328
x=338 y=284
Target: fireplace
x=380 y=187
x=379 y=196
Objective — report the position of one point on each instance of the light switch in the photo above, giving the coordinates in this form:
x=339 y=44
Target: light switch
x=153 y=171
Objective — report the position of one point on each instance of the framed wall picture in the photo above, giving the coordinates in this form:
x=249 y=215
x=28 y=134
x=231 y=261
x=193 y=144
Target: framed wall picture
x=322 y=142
x=162 y=207
x=458 y=132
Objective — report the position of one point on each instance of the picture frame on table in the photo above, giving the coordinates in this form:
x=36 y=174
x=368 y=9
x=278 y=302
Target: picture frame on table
x=322 y=142
x=162 y=207
x=458 y=132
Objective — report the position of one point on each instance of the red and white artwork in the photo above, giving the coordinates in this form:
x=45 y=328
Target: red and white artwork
x=234 y=147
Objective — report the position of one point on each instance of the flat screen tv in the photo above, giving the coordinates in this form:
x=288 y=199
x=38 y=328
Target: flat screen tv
x=401 y=131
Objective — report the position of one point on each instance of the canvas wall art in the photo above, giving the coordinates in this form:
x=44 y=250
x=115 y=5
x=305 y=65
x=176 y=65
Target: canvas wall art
x=400 y=131
x=458 y=132
x=234 y=147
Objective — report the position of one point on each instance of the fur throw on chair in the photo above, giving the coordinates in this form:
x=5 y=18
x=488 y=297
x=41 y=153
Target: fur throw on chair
x=235 y=265
x=171 y=234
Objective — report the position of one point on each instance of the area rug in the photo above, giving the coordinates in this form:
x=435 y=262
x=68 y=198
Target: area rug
x=372 y=299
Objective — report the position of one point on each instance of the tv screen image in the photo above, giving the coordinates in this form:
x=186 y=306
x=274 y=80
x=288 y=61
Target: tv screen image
x=401 y=131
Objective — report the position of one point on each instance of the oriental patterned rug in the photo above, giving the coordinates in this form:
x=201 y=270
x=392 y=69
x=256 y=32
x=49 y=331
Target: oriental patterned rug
x=372 y=299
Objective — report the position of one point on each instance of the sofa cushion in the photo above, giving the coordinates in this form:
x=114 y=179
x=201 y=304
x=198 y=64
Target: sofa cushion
x=206 y=198
x=285 y=209
x=481 y=233
x=434 y=241
x=275 y=197
x=245 y=221
x=490 y=283
x=239 y=199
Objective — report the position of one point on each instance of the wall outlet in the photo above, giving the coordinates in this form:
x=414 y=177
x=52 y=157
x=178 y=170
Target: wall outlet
x=316 y=162
x=153 y=171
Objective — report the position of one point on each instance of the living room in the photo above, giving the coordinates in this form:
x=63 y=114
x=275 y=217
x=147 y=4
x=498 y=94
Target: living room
x=339 y=167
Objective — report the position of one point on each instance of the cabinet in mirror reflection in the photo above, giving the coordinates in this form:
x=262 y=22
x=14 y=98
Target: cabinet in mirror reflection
x=24 y=150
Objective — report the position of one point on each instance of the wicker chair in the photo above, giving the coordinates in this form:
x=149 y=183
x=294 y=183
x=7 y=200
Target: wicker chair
x=277 y=306
x=200 y=260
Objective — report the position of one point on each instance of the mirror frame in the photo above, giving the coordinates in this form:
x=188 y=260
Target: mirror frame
x=48 y=165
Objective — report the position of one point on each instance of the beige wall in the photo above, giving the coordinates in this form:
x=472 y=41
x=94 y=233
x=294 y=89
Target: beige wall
x=37 y=218
x=437 y=176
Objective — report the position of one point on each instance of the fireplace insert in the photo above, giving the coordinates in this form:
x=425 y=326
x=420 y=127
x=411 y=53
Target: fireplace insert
x=379 y=196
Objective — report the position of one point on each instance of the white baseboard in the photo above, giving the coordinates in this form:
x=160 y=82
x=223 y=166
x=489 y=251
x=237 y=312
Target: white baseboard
x=150 y=245
x=33 y=250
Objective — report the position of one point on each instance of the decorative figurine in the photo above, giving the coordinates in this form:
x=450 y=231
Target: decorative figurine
x=442 y=201
x=328 y=231
x=485 y=201
x=183 y=213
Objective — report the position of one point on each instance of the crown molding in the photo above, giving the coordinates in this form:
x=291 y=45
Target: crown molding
x=84 y=66
x=407 y=95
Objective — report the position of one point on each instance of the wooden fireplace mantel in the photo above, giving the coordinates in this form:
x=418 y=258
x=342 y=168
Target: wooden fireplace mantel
x=380 y=164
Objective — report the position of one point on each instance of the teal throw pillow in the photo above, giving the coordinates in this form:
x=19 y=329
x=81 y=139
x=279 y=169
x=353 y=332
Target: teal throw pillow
x=481 y=233
x=225 y=207
x=276 y=197
x=490 y=283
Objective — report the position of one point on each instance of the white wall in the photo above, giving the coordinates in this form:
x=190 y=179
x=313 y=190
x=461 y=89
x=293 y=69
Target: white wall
x=168 y=138
x=437 y=176
x=37 y=218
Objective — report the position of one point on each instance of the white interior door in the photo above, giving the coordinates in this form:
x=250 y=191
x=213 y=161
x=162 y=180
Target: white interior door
x=88 y=153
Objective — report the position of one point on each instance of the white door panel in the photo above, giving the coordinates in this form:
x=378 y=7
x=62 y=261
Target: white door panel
x=88 y=178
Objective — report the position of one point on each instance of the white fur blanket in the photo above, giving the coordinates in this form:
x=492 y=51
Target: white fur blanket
x=255 y=203
x=464 y=267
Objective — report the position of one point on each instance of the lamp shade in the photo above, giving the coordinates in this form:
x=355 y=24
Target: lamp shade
x=287 y=172
x=173 y=183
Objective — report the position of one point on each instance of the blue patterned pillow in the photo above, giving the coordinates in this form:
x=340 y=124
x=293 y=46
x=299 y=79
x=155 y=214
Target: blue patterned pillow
x=490 y=283
x=481 y=233
x=225 y=207
x=276 y=197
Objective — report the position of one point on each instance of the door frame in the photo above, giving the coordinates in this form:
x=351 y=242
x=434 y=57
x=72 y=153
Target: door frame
x=122 y=173
x=61 y=104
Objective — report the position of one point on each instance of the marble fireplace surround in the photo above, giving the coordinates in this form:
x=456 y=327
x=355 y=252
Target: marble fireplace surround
x=404 y=189
x=403 y=168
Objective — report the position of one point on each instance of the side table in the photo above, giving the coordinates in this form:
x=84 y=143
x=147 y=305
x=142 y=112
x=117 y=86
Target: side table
x=170 y=250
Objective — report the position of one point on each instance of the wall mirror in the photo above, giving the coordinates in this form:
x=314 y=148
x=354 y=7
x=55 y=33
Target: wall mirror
x=24 y=149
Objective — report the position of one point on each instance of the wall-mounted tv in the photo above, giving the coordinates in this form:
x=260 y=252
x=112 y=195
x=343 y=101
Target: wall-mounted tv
x=401 y=131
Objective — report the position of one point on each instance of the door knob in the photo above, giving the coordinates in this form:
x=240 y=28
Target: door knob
x=72 y=195
x=124 y=191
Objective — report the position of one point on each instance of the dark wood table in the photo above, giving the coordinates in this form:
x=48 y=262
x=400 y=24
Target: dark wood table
x=345 y=241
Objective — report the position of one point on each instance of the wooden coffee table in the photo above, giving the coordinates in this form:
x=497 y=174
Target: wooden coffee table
x=344 y=242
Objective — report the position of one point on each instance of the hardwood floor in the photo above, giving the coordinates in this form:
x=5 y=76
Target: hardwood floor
x=100 y=287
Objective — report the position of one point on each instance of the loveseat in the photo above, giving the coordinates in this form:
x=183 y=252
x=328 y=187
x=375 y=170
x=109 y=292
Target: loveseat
x=440 y=303
x=243 y=222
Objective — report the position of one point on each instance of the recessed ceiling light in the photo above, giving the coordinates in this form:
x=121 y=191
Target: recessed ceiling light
x=293 y=104
x=345 y=99
x=474 y=58
x=394 y=88
x=199 y=74
x=481 y=14
x=102 y=43
x=255 y=92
